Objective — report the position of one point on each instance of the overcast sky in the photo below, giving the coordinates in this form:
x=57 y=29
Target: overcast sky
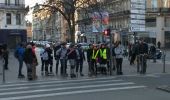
x=31 y=3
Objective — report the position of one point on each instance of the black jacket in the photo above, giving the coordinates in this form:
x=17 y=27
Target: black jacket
x=29 y=56
x=71 y=54
x=89 y=54
x=55 y=49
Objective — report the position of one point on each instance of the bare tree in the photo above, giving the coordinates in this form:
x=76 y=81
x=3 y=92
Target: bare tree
x=67 y=8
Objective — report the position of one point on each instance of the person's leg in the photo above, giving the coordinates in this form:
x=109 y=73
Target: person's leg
x=92 y=67
x=6 y=64
x=57 y=64
x=81 y=67
x=42 y=66
x=20 y=68
x=121 y=60
x=117 y=66
x=46 y=67
x=51 y=66
x=77 y=66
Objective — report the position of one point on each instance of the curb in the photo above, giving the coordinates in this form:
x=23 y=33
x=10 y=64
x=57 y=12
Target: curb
x=164 y=88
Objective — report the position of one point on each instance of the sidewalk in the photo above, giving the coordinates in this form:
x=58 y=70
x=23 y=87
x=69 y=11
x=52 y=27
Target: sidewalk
x=12 y=73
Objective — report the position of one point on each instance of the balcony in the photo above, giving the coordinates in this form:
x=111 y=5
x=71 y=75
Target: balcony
x=158 y=10
x=12 y=6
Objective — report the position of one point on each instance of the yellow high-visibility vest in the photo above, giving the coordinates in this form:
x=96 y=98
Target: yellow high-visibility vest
x=103 y=54
x=94 y=56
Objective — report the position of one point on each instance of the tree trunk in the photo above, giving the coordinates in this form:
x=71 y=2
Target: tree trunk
x=72 y=29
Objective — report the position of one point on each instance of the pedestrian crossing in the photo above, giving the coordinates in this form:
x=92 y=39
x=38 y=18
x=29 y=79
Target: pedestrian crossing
x=40 y=89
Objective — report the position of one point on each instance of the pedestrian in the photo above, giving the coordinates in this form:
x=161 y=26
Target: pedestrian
x=159 y=44
x=49 y=61
x=79 y=62
x=19 y=53
x=142 y=56
x=133 y=54
x=57 y=58
x=5 y=55
x=153 y=52
x=119 y=51
x=42 y=50
x=29 y=59
x=104 y=58
x=95 y=56
x=72 y=56
x=62 y=53
x=89 y=59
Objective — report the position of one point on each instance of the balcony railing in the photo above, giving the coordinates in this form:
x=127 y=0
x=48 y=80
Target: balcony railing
x=158 y=10
x=11 y=6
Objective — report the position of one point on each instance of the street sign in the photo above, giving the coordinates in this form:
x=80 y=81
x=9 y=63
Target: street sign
x=137 y=29
x=138 y=11
x=133 y=21
x=135 y=16
x=137 y=6
x=138 y=1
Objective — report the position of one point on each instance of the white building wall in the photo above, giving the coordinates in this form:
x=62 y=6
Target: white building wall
x=13 y=12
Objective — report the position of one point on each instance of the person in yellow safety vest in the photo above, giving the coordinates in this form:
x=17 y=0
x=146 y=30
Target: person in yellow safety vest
x=95 y=55
x=103 y=58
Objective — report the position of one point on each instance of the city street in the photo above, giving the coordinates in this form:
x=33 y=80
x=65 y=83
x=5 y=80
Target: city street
x=130 y=86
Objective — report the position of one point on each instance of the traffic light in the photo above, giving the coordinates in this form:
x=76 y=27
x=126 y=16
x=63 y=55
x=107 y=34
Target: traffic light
x=107 y=32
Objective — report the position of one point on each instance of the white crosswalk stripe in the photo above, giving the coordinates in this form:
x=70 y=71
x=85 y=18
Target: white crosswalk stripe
x=40 y=89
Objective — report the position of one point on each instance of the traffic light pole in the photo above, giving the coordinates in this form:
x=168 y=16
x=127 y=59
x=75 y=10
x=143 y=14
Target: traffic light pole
x=111 y=57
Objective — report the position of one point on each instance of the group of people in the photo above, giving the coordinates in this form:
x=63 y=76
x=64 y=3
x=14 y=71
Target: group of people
x=25 y=53
x=97 y=55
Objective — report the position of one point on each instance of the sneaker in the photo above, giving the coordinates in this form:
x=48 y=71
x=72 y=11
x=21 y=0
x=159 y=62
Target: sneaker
x=21 y=76
x=81 y=74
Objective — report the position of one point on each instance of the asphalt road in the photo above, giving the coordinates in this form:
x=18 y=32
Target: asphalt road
x=139 y=87
x=130 y=86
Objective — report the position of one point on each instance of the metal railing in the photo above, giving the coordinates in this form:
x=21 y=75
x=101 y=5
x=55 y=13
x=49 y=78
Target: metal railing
x=11 y=6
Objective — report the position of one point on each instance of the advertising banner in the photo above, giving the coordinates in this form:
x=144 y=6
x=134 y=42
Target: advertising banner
x=100 y=21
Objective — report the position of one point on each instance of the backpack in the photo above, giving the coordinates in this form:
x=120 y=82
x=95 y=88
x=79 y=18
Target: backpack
x=45 y=55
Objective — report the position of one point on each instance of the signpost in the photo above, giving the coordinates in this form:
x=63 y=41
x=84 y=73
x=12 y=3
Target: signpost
x=137 y=21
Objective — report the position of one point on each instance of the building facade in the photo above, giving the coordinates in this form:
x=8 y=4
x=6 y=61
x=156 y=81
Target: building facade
x=155 y=17
x=46 y=25
x=12 y=22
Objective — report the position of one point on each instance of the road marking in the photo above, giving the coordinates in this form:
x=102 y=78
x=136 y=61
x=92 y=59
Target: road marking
x=61 y=84
x=57 y=81
x=72 y=92
x=66 y=88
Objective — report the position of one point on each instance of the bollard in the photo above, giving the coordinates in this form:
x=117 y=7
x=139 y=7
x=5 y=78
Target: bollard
x=164 y=55
x=3 y=72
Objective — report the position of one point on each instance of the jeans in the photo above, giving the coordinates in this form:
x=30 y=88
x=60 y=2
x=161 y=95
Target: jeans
x=79 y=64
x=20 y=59
x=57 y=64
x=42 y=64
x=63 y=66
x=119 y=65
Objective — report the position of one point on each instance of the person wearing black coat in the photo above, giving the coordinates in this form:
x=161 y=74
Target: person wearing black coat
x=89 y=58
x=57 y=57
x=79 y=62
x=29 y=59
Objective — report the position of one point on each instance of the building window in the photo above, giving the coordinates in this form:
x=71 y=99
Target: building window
x=167 y=21
x=16 y=2
x=150 y=22
x=8 y=18
x=154 y=3
x=18 y=19
x=7 y=2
